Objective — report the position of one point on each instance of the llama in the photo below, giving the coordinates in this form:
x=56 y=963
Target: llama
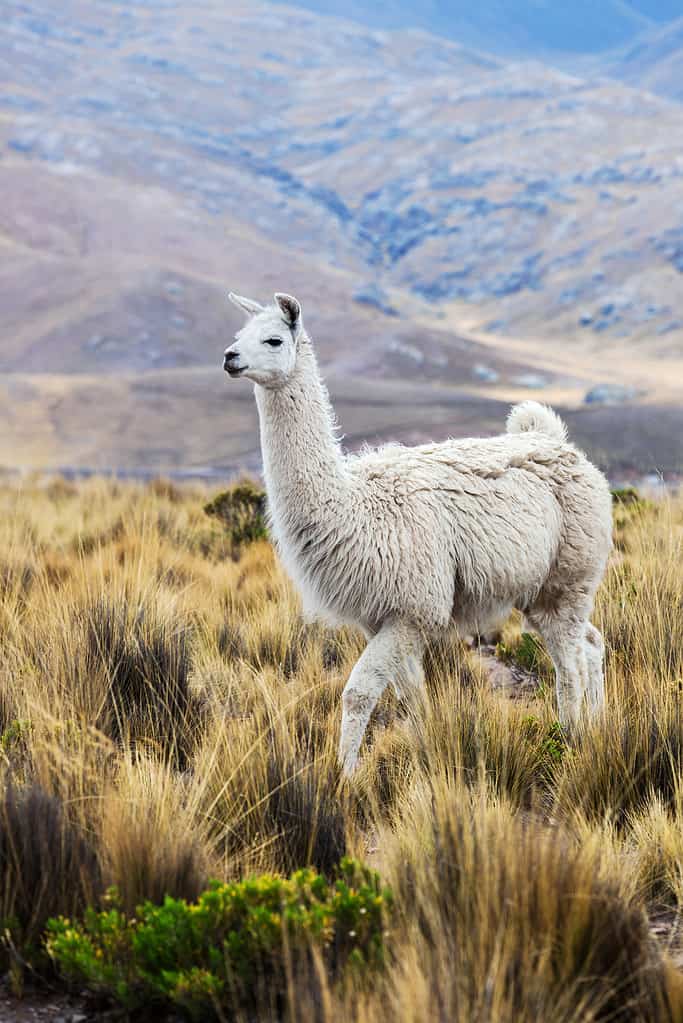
x=404 y=542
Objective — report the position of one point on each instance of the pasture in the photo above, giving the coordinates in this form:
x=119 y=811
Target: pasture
x=167 y=718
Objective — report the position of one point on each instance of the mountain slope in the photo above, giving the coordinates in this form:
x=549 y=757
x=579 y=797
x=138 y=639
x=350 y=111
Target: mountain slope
x=535 y=201
x=653 y=62
x=531 y=27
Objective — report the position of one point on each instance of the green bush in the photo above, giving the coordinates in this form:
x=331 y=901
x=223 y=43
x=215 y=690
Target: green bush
x=527 y=653
x=551 y=742
x=628 y=506
x=242 y=510
x=627 y=496
x=232 y=948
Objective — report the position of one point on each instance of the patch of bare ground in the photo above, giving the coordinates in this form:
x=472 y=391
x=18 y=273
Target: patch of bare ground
x=48 y=1007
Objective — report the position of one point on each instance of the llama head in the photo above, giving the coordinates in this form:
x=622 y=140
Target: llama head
x=265 y=349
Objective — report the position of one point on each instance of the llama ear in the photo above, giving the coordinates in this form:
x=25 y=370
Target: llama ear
x=290 y=308
x=245 y=304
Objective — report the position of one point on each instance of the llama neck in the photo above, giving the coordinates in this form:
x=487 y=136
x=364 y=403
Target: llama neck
x=302 y=461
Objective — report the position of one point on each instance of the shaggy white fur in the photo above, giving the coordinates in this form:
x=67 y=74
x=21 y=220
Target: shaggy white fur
x=404 y=542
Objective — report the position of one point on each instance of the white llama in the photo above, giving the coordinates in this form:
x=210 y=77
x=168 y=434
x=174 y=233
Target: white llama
x=403 y=542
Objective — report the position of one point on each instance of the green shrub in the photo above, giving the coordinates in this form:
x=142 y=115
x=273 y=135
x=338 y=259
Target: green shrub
x=627 y=496
x=241 y=509
x=628 y=507
x=15 y=736
x=233 y=948
x=551 y=742
x=527 y=653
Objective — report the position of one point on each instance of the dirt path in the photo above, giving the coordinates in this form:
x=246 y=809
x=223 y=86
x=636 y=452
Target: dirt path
x=508 y=679
x=50 y=1007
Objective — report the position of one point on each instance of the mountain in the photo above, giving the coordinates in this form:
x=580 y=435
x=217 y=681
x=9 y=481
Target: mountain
x=464 y=231
x=653 y=62
x=523 y=27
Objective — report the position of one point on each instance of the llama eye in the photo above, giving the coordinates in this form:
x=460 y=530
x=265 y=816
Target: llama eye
x=274 y=342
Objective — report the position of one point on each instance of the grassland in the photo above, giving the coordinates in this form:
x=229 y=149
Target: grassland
x=167 y=718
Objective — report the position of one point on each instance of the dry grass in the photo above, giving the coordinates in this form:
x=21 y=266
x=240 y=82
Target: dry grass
x=166 y=717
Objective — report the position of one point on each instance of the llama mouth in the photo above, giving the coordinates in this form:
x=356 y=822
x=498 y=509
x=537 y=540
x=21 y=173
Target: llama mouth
x=235 y=371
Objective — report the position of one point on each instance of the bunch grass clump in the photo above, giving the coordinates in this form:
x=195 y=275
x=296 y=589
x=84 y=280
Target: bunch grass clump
x=47 y=865
x=516 y=920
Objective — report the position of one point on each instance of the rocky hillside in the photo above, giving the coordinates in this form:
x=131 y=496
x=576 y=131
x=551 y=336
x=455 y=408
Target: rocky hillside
x=653 y=62
x=543 y=201
x=526 y=27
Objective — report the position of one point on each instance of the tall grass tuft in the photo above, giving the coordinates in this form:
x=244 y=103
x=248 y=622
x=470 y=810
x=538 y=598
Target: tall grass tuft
x=152 y=843
x=272 y=804
x=620 y=763
x=47 y=867
x=145 y=661
x=515 y=921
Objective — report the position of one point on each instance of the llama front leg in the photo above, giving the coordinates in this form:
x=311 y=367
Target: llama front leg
x=394 y=656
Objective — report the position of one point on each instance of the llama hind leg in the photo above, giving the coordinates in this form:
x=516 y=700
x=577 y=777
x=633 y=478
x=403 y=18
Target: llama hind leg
x=568 y=653
x=595 y=650
x=394 y=656
x=566 y=643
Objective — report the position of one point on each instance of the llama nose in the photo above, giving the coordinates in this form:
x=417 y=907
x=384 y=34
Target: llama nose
x=229 y=358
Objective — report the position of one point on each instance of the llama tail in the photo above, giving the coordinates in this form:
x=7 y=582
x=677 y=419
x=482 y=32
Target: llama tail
x=531 y=416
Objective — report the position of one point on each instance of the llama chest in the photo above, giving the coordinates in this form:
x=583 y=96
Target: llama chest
x=317 y=557
x=367 y=562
